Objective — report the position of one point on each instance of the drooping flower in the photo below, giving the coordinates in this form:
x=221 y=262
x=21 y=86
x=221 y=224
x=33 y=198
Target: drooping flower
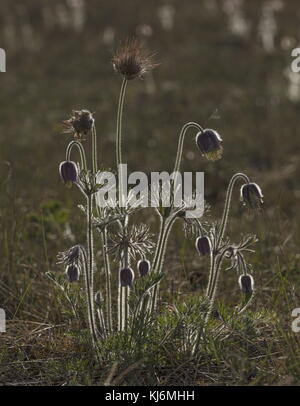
x=251 y=195
x=99 y=300
x=73 y=261
x=203 y=245
x=246 y=283
x=80 y=123
x=68 y=172
x=126 y=277
x=210 y=144
x=143 y=267
x=73 y=273
x=131 y=61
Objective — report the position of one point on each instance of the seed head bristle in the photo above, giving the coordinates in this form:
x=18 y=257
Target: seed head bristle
x=80 y=123
x=131 y=60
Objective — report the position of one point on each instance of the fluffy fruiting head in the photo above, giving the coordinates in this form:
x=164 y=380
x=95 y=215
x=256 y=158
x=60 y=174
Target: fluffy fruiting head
x=131 y=61
x=80 y=123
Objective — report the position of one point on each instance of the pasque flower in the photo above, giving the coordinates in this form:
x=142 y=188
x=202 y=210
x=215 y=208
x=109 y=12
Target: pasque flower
x=80 y=123
x=130 y=242
x=73 y=273
x=246 y=283
x=210 y=144
x=126 y=277
x=131 y=60
x=143 y=267
x=203 y=245
x=137 y=242
x=251 y=195
x=68 y=172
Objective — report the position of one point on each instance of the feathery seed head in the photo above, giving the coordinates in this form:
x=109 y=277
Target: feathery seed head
x=131 y=61
x=80 y=123
x=137 y=241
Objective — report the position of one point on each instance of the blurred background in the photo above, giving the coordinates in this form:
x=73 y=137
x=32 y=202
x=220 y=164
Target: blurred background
x=224 y=63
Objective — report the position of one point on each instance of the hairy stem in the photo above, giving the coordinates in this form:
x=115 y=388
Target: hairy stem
x=161 y=252
x=126 y=265
x=159 y=241
x=248 y=301
x=126 y=307
x=104 y=243
x=90 y=299
x=227 y=205
x=120 y=301
x=119 y=123
x=101 y=322
x=90 y=268
x=215 y=279
x=211 y=271
x=121 y=321
x=181 y=141
x=94 y=150
x=80 y=148
x=108 y=303
x=123 y=292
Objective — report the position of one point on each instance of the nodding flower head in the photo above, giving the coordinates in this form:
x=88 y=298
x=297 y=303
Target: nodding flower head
x=72 y=273
x=80 y=123
x=68 y=172
x=72 y=259
x=143 y=267
x=126 y=277
x=210 y=144
x=203 y=245
x=251 y=195
x=99 y=300
x=246 y=283
x=131 y=61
